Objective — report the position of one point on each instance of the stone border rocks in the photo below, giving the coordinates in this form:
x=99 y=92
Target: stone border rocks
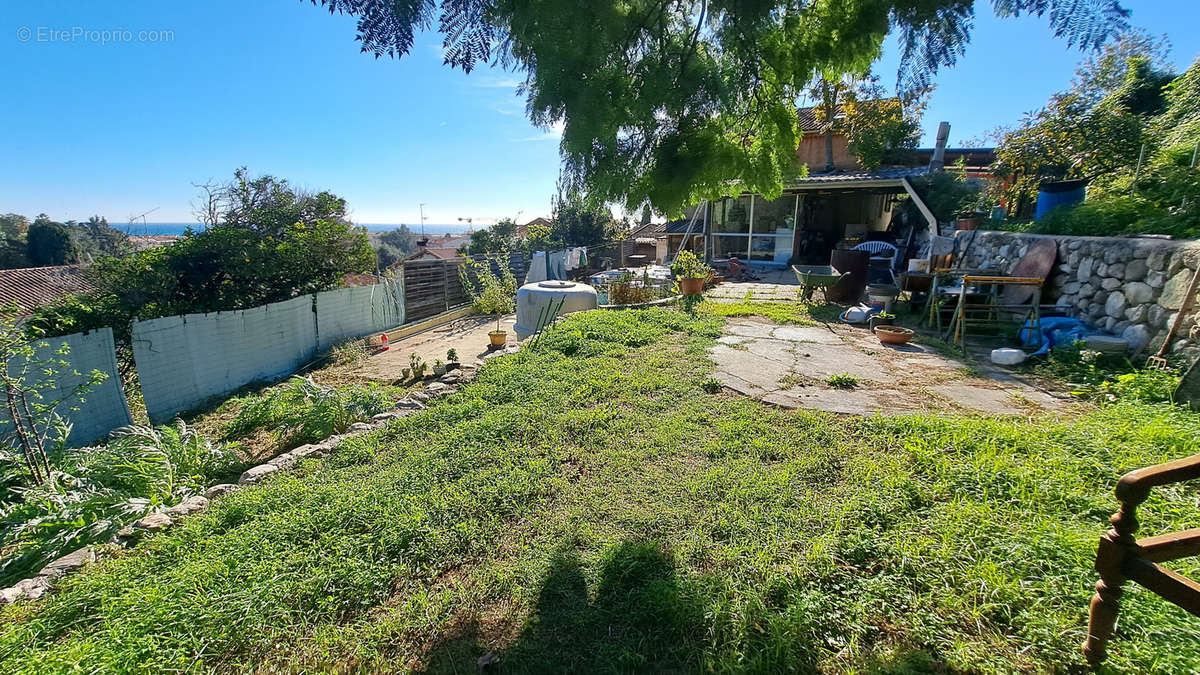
x=37 y=585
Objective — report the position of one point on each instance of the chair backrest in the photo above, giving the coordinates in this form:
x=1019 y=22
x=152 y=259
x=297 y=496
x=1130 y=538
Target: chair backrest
x=874 y=247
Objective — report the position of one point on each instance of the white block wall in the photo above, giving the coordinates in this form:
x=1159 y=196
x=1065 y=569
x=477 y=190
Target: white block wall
x=349 y=313
x=101 y=409
x=183 y=361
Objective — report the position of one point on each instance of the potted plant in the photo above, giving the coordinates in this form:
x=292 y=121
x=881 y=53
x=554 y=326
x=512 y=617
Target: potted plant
x=407 y=372
x=439 y=368
x=691 y=272
x=418 y=365
x=451 y=356
x=881 y=319
x=491 y=294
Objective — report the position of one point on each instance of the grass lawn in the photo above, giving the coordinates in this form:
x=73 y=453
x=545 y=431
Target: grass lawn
x=589 y=506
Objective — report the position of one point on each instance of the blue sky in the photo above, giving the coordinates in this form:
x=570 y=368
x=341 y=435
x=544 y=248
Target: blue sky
x=121 y=128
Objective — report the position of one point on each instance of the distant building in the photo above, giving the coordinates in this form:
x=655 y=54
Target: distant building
x=32 y=287
x=811 y=150
x=523 y=230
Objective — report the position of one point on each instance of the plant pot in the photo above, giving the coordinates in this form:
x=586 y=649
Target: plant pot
x=498 y=338
x=407 y=372
x=880 y=321
x=439 y=370
x=971 y=223
x=893 y=335
x=691 y=286
x=419 y=373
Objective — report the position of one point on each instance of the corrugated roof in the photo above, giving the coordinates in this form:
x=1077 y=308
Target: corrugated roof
x=649 y=230
x=851 y=177
x=31 y=287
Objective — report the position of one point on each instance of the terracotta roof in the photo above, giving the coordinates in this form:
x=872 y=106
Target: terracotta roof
x=32 y=287
x=354 y=279
x=808 y=120
x=443 y=253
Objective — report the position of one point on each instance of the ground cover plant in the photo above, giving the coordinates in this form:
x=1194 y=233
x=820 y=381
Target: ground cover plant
x=594 y=505
x=796 y=313
x=1104 y=378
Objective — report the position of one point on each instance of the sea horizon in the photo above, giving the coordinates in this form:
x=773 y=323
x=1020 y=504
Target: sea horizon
x=177 y=229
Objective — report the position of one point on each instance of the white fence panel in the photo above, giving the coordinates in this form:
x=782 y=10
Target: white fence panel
x=101 y=409
x=182 y=361
x=349 y=313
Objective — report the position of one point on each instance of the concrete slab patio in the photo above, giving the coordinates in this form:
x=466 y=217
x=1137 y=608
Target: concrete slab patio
x=789 y=366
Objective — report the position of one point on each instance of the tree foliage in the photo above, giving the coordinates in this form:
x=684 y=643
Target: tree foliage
x=879 y=129
x=265 y=204
x=13 y=230
x=394 y=245
x=221 y=268
x=1127 y=125
x=674 y=102
x=499 y=238
x=49 y=243
x=1095 y=129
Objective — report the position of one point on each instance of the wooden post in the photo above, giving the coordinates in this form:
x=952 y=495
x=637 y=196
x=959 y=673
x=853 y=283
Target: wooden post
x=1115 y=545
x=445 y=287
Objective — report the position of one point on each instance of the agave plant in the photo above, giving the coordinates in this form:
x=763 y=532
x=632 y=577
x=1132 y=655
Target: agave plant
x=302 y=411
x=94 y=491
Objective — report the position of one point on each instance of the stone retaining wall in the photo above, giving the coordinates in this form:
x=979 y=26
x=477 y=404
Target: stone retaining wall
x=1127 y=286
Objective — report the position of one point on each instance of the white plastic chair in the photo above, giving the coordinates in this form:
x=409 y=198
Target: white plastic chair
x=881 y=250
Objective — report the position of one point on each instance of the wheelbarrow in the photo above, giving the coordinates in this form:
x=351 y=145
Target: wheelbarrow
x=813 y=277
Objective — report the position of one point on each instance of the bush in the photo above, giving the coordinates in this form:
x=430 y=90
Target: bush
x=1147 y=386
x=1103 y=217
x=97 y=490
x=302 y=411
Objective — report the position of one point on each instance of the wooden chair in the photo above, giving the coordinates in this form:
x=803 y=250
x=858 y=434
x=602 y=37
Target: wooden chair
x=1121 y=558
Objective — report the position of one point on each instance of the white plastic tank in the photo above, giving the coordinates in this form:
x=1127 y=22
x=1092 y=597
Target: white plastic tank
x=534 y=298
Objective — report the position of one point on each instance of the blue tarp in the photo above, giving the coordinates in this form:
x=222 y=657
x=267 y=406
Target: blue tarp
x=1053 y=331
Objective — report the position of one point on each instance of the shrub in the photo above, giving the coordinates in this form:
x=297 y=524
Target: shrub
x=1106 y=378
x=1108 y=216
x=302 y=411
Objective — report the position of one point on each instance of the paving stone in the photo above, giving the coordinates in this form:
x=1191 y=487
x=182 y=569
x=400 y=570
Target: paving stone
x=358 y=427
x=806 y=334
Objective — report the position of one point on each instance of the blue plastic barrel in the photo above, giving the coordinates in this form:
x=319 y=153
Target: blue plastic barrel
x=1059 y=193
